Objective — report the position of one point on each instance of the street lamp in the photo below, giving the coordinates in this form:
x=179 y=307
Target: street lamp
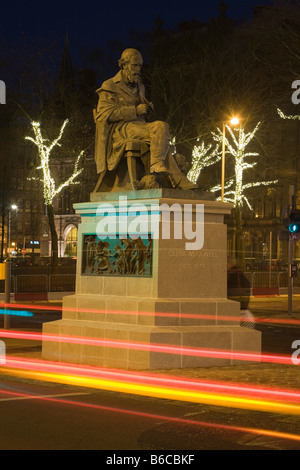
x=234 y=121
x=15 y=208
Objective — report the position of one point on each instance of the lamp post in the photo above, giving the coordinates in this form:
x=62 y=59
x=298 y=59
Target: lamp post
x=8 y=272
x=15 y=208
x=234 y=121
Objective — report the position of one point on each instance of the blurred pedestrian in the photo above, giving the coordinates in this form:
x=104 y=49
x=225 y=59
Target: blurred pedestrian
x=239 y=289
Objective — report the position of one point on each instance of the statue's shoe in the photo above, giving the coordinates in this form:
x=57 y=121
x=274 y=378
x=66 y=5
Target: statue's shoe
x=159 y=168
x=186 y=184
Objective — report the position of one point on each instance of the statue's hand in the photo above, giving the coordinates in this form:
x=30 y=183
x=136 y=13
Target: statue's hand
x=141 y=109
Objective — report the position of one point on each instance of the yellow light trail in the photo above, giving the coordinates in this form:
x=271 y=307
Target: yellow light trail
x=187 y=395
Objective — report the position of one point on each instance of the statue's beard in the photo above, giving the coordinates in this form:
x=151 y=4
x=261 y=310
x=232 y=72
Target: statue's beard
x=132 y=79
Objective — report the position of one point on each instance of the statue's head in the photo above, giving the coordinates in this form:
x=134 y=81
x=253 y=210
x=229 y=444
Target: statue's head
x=130 y=63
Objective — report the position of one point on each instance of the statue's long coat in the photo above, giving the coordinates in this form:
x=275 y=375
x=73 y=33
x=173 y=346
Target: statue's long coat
x=114 y=97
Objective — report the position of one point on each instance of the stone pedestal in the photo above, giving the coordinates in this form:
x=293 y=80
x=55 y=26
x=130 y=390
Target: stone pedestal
x=148 y=314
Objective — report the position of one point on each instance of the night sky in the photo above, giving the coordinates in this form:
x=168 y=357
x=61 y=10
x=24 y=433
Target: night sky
x=39 y=28
x=94 y=22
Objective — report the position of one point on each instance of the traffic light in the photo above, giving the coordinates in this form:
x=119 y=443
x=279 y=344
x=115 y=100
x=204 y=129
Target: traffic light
x=294 y=221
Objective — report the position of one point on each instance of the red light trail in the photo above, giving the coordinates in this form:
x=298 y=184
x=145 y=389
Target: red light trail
x=222 y=318
x=151 y=379
x=156 y=417
x=186 y=389
x=194 y=391
x=222 y=394
x=170 y=349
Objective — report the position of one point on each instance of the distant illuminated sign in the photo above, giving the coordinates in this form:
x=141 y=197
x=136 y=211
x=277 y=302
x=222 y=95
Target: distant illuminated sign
x=34 y=242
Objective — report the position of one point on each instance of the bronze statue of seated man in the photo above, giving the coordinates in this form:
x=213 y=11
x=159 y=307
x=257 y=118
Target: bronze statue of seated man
x=121 y=116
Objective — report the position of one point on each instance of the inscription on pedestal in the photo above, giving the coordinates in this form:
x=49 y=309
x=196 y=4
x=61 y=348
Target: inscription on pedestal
x=117 y=256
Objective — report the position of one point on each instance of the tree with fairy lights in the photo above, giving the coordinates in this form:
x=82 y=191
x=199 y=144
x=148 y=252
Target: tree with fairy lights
x=235 y=187
x=50 y=187
x=202 y=157
x=284 y=116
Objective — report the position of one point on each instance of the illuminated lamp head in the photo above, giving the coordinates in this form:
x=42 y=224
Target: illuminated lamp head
x=235 y=121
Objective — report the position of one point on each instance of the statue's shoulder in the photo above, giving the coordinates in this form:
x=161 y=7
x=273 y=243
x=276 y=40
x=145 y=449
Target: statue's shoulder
x=109 y=85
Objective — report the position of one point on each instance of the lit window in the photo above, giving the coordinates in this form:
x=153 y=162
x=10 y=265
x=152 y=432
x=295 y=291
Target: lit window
x=71 y=243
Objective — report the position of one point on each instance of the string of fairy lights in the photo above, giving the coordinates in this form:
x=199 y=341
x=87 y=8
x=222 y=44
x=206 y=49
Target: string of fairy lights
x=284 y=116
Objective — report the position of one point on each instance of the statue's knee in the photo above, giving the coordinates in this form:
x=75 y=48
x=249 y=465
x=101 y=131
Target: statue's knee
x=162 y=127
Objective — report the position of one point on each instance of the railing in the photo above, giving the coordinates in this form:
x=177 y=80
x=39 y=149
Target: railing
x=23 y=283
x=270 y=281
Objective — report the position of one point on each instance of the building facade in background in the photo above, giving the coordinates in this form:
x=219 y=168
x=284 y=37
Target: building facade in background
x=196 y=74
